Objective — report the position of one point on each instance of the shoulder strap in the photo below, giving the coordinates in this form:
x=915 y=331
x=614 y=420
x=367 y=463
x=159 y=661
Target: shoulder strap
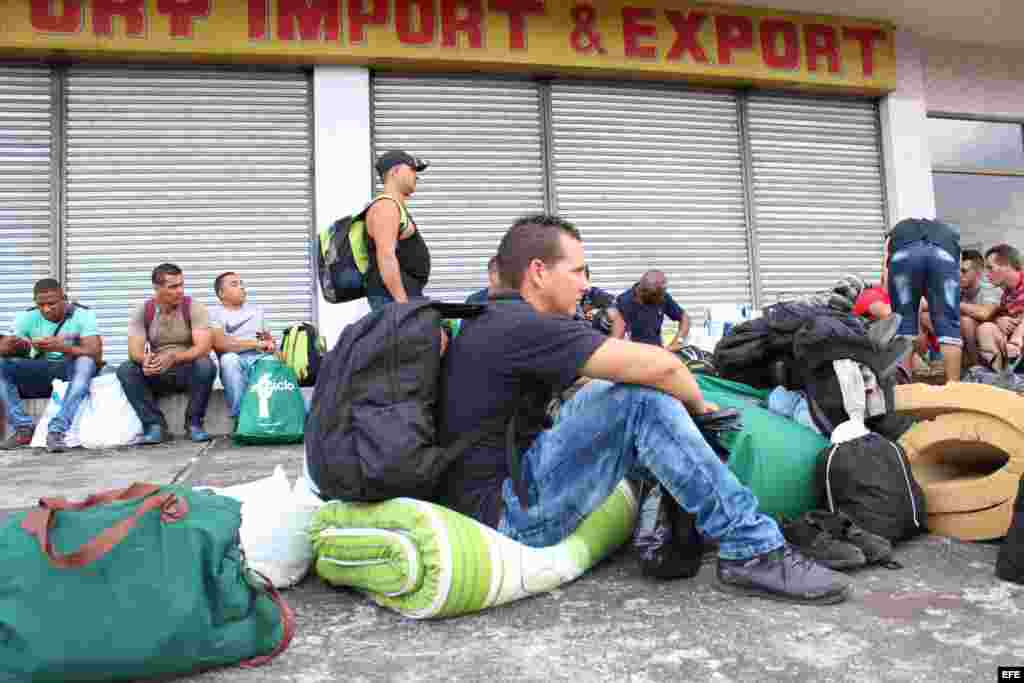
x=403 y=212
x=69 y=312
x=150 y=314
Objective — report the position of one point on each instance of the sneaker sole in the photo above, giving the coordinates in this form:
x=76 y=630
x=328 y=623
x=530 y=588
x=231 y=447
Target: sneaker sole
x=748 y=591
x=842 y=565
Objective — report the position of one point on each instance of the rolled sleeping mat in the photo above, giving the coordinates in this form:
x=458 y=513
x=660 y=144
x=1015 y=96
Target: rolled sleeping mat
x=426 y=561
x=980 y=525
x=927 y=401
x=965 y=461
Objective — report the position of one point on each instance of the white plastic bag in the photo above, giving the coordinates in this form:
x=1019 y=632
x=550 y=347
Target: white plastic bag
x=275 y=524
x=107 y=419
x=72 y=437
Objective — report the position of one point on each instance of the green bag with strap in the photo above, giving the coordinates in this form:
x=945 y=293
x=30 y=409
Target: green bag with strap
x=144 y=582
x=273 y=410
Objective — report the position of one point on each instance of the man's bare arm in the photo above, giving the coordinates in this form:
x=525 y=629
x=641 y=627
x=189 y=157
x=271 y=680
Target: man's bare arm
x=202 y=343
x=647 y=365
x=225 y=343
x=382 y=223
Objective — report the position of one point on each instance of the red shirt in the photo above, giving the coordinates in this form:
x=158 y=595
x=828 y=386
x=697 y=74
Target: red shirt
x=871 y=295
x=1012 y=303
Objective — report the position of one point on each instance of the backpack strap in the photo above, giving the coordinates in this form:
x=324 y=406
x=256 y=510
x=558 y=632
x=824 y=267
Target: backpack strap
x=69 y=312
x=149 y=315
x=403 y=213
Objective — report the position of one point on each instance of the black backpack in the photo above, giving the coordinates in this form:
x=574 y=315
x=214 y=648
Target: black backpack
x=371 y=431
x=869 y=479
x=1010 y=562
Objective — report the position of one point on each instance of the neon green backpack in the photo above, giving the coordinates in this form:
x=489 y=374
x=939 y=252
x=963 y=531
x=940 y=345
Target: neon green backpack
x=302 y=350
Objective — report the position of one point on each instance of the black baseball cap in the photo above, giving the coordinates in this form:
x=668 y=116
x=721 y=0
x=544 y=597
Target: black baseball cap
x=396 y=157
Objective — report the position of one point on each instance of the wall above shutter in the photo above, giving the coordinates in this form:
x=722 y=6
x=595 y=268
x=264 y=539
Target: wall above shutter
x=483 y=141
x=653 y=178
x=26 y=122
x=207 y=169
x=818 y=194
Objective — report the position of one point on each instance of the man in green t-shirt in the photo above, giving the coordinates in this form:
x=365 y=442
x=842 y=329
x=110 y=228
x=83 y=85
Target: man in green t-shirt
x=54 y=340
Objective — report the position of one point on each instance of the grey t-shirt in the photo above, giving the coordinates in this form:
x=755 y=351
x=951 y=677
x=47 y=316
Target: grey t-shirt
x=243 y=323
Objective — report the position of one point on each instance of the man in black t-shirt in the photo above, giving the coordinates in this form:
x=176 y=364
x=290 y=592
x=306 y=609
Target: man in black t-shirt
x=636 y=424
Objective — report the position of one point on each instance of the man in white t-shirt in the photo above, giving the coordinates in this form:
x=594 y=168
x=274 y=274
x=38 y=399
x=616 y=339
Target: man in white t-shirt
x=240 y=336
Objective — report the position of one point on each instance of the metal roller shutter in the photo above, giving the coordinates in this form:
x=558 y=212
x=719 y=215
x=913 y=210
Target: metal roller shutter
x=483 y=141
x=817 y=186
x=210 y=170
x=653 y=177
x=26 y=120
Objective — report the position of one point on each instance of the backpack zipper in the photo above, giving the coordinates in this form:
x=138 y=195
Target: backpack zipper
x=828 y=482
x=910 y=490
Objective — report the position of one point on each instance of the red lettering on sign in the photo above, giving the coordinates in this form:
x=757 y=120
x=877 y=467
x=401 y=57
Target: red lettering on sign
x=133 y=12
x=517 y=11
x=585 y=38
x=867 y=37
x=789 y=58
x=258 y=19
x=633 y=30
x=733 y=33
x=43 y=18
x=821 y=42
x=183 y=13
x=359 y=18
x=470 y=23
x=423 y=32
x=686 y=40
x=317 y=19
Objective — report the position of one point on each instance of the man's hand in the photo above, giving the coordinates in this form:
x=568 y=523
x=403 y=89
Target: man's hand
x=50 y=344
x=267 y=345
x=1006 y=325
x=444 y=341
x=1013 y=348
x=674 y=345
x=11 y=345
x=158 y=363
x=710 y=407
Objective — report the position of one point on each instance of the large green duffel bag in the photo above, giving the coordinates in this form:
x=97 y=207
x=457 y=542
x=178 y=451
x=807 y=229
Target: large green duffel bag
x=774 y=456
x=144 y=582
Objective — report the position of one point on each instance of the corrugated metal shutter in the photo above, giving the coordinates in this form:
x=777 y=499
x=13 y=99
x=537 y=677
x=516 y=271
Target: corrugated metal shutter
x=653 y=178
x=817 y=185
x=483 y=141
x=210 y=170
x=25 y=166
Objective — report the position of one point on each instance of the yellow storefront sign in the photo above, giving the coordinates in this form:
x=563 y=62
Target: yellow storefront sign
x=642 y=39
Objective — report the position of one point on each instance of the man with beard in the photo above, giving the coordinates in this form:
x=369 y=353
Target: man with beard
x=643 y=308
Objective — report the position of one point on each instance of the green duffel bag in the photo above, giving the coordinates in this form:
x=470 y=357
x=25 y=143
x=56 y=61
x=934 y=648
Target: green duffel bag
x=144 y=582
x=774 y=456
x=273 y=410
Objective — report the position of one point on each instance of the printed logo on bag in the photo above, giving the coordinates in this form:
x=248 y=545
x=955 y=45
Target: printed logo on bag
x=264 y=390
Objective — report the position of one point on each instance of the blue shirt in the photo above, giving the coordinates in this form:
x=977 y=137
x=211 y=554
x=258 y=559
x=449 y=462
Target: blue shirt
x=644 y=320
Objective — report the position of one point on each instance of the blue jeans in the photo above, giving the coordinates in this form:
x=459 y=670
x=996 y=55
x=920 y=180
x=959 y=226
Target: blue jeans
x=234 y=375
x=378 y=302
x=608 y=432
x=925 y=269
x=32 y=378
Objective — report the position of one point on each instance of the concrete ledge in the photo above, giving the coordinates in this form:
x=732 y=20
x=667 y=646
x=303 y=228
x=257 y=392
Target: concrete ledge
x=217 y=421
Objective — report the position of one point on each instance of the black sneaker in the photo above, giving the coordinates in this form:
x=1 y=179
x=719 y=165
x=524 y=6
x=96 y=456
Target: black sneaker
x=784 y=575
x=876 y=549
x=21 y=438
x=813 y=536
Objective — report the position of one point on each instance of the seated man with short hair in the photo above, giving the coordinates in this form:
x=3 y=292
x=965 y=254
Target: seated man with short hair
x=517 y=356
x=1001 y=336
x=169 y=352
x=63 y=343
x=240 y=336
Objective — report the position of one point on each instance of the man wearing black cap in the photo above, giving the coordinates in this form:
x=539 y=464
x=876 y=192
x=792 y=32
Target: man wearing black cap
x=399 y=259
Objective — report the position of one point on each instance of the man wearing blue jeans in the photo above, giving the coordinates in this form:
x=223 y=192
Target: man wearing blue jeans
x=635 y=424
x=240 y=336
x=63 y=343
x=924 y=260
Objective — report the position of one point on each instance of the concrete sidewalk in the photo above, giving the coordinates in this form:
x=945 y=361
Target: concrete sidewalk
x=944 y=617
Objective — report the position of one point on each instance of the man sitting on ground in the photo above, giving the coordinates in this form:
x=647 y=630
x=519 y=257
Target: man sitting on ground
x=169 y=346
x=637 y=424
x=1000 y=338
x=240 y=336
x=63 y=343
x=644 y=306
x=598 y=306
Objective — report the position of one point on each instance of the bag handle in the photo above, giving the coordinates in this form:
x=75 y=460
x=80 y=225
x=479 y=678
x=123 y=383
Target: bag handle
x=39 y=521
x=287 y=625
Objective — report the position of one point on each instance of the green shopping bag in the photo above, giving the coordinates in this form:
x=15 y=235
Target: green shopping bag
x=272 y=410
x=144 y=582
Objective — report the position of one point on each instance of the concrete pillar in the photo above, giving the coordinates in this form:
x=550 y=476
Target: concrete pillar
x=343 y=180
x=904 y=114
